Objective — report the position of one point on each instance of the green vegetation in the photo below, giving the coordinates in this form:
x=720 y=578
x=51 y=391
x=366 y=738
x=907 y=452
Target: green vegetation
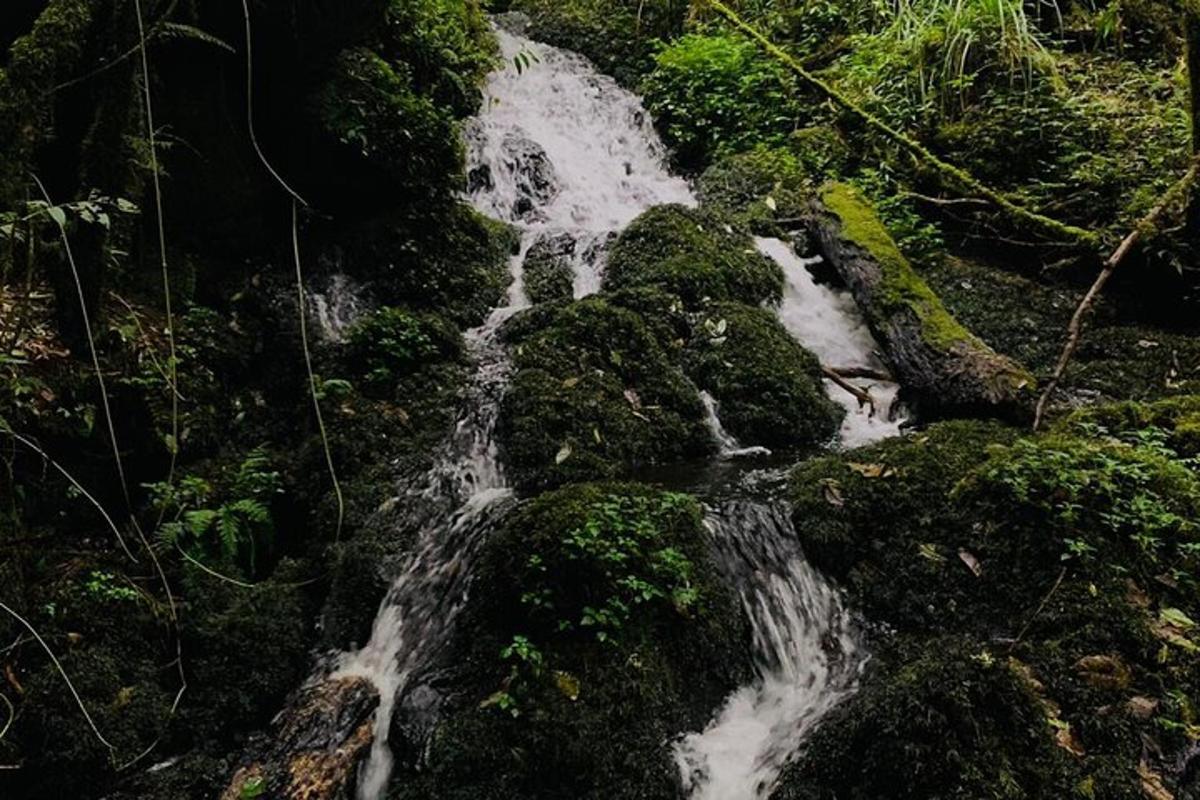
x=556 y=709
x=594 y=396
x=712 y=95
x=694 y=255
x=393 y=343
x=1062 y=566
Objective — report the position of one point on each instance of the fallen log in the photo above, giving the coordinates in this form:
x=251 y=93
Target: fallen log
x=942 y=368
x=314 y=746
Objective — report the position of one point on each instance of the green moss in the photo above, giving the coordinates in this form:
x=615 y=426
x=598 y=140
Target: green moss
x=941 y=718
x=594 y=396
x=1068 y=554
x=392 y=343
x=36 y=62
x=1175 y=422
x=694 y=255
x=595 y=717
x=458 y=266
x=393 y=137
x=902 y=290
x=548 y=274
x=756 y=188
x=769 y=387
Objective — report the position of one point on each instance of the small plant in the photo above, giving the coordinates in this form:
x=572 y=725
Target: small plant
x=238 y=529
x=393 y=343
x=105 y=586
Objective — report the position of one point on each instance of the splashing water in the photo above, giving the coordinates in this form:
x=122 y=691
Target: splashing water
x=727 y=444
x=827 y=322
x=336 y=307
x=560 y=149
x=806 y=652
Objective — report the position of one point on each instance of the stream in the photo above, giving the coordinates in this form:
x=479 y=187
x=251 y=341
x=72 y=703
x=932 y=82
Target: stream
x=560 y=151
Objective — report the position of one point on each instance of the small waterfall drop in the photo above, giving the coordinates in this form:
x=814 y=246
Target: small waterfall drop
x=727 y=444
x=561 y=149
x=336 y=307
x=827 y=322
x=805 y=648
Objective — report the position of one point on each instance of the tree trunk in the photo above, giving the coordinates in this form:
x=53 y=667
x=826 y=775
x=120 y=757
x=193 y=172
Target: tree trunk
x=943 y=369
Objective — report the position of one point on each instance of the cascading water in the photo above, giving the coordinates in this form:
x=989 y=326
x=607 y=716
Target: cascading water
x=565 y=154
x=560 y=150
x=827 y=322
x=336 y=307
x=805 y=650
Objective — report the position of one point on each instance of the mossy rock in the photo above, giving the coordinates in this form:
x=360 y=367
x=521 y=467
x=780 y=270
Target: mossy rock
x=458 y=266
x=769 y=388
x=594 y=396
x=692 y=254
x=757 y=188
x=548 y=274
x=939 y=718
x=1070 y=555
x=1176 y=419
x=595 y=717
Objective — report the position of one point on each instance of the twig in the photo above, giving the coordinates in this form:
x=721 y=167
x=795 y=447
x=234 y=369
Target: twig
x=1051 y=228
x=863 y=372
x=1144 y=228
x=862 y=395
x=1061 y=574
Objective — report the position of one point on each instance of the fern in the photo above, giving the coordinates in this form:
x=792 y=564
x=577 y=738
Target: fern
x=177 y=31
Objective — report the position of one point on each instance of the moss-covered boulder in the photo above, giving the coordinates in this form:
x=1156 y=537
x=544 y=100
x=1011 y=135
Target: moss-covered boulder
x=757 y=187
x=1069 y=557
x=594 y=395
x=694 y=255
x=458 y=266
x=606 y=630
x=940 y=364
x=940 y=719
x=548 y=274
x=769 y=388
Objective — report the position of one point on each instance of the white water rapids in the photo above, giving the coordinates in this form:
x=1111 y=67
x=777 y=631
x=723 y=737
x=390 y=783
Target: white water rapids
x=559 y=149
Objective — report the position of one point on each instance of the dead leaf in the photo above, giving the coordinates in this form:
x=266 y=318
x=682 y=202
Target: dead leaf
x=872 y=470
x=930 y=552
x=971 y=561
x=1065 y=738
x=1135 y=596
x=1152 y=783
x=1104 y=671
x=11 y=676
x=833 y=493
x=567 y=683
x=563 y=454
x=570 y=383
x=1142 y=707
x=631 y=396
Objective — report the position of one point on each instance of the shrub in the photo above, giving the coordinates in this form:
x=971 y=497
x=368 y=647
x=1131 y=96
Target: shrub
x=393 y=343
x=712 y=95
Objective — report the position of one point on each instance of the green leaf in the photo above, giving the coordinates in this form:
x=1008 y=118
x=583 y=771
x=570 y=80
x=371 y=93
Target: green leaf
x=58 y=215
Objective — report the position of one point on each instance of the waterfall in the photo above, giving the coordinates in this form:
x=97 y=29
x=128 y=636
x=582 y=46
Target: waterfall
x=560 y=150
x=805 y=649
x=337 y=306
x=827 y=322
x=557 y=150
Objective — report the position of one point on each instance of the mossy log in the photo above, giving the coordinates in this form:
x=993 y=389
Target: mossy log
x=942 y=367
x=314 y=747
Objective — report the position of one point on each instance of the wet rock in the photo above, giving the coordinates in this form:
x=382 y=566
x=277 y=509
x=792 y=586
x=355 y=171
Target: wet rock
x=548 y=274
x=314 y=746
x=534 y=175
